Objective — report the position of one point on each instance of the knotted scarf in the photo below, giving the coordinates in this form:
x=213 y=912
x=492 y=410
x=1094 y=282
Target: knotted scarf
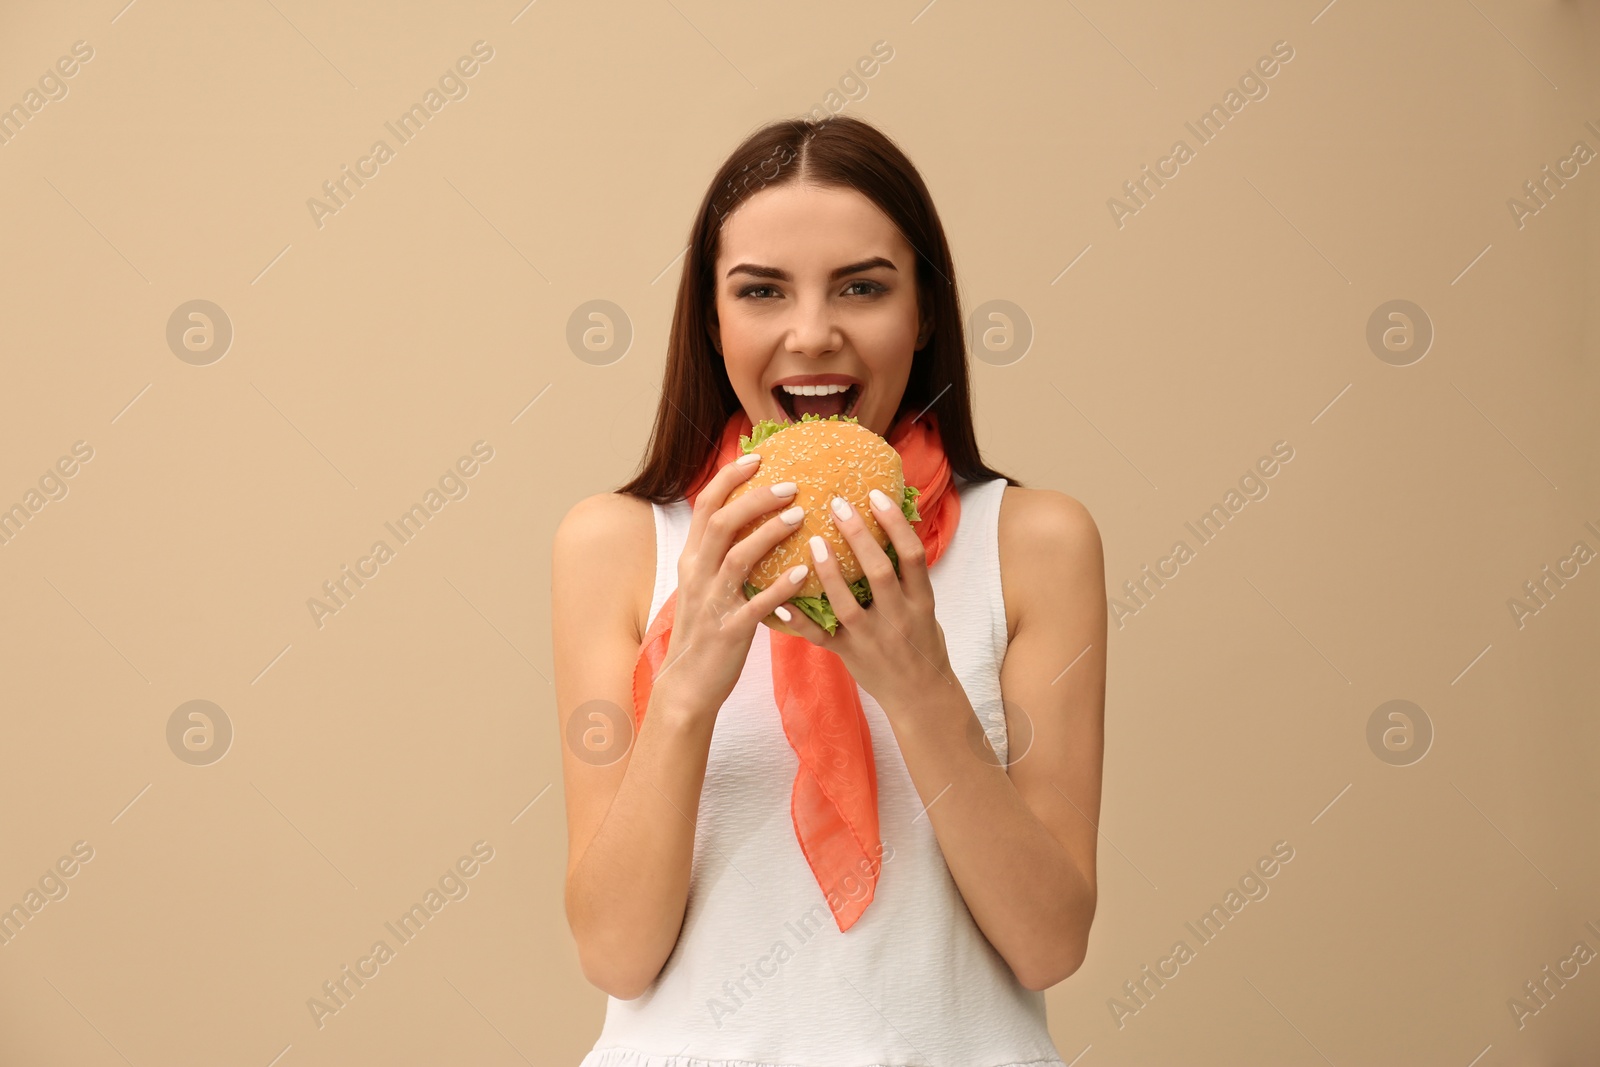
x=834 y=804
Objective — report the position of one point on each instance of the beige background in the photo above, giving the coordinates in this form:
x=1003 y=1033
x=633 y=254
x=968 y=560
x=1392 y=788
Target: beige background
x=370 y=753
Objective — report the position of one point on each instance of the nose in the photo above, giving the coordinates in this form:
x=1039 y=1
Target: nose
x=812 y=329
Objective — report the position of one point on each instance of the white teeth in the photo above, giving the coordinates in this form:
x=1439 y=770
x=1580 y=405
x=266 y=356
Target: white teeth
x=814 y=390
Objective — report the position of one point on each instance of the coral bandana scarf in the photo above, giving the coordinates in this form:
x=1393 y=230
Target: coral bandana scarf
x=834 y=805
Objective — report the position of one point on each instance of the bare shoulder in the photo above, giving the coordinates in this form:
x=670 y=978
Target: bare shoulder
x=1048 y=540
x=605 y=546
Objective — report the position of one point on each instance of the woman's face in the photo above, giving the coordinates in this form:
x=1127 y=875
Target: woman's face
x=815 y=286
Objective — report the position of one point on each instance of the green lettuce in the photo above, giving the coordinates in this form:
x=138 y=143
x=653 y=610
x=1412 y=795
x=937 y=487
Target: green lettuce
x=767 y=427
x=817 y=608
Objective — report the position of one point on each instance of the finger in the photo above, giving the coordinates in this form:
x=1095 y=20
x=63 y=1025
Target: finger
x=913 y=556
x=845 y=606
x=741 y=516
x=798 y=624
x=787 y=585
x=754 y=547
x=870 y=556
x=715 y=493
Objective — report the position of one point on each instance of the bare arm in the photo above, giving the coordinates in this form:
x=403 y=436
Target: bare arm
x=1021 y=842
x=630 y=808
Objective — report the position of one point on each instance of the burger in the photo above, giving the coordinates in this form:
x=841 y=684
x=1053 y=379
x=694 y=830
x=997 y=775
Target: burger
x=825 y=458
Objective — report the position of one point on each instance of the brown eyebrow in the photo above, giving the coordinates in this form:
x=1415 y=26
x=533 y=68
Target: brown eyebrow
x=783 y=275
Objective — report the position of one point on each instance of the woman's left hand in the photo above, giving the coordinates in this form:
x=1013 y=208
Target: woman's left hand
x=894 y=648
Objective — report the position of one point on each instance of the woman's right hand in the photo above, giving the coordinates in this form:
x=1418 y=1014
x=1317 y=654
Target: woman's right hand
x=713 y=623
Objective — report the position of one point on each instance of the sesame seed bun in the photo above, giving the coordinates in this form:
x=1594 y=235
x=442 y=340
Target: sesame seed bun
x=824 y=458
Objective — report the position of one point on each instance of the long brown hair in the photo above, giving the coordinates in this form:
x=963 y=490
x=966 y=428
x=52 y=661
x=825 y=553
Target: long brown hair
x=697 y=398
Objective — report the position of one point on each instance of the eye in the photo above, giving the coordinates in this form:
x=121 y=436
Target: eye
x=750 y=289
x=872 y=288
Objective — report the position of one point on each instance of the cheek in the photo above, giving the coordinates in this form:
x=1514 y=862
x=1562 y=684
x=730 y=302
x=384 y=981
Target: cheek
x=744 y=354
x=740 y=343
x=886 y=344
x=744 y=330
x=739 y=333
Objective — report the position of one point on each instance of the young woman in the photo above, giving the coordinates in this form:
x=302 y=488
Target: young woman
x=790 y=847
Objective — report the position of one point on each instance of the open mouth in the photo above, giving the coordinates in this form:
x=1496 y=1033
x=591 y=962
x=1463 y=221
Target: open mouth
x=822 y=405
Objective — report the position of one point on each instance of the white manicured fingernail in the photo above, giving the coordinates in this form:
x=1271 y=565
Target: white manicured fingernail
x=841 y=508
x=748 y=458
x=785 y=489
x=797 y=573
x=792 y=516
x=782 y=612
x=818 y=548
x=880 y=499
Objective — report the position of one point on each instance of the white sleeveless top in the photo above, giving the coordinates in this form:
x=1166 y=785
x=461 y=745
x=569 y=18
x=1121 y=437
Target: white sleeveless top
x=761 y=975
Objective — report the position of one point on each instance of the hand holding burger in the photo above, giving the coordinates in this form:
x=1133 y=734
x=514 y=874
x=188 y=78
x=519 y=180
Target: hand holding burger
x=826 y=457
